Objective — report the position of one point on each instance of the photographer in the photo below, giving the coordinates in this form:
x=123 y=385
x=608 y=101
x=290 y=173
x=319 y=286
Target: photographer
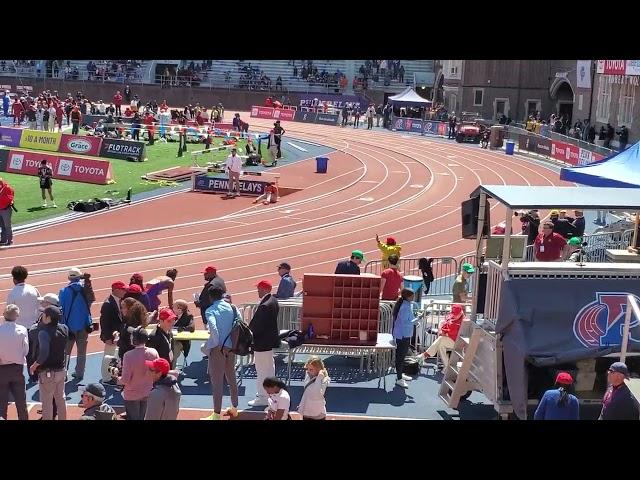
x=530 y=224
x=135 y=374
x=110 y=324
x=6 y=210
x=75 y=301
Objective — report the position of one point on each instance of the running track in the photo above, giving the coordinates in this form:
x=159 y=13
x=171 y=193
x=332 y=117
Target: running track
x=379 y=182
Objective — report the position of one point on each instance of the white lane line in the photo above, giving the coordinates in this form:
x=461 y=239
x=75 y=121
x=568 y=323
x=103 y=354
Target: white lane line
x=298 y=147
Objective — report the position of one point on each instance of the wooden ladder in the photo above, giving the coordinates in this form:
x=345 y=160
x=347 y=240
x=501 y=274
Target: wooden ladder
x=458 y=378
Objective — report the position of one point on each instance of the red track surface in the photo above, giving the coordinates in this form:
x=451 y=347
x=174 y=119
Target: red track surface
x=378 y=182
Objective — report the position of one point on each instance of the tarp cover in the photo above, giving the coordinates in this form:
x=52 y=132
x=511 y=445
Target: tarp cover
x=409 y=96
x=548 y=322
x=620 y=170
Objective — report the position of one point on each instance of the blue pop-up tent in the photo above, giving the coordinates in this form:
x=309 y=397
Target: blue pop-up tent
x=621 y=170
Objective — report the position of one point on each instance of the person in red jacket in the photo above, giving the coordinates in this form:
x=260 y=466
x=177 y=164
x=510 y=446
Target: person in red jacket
x=6 y=210
x=117 y=101
x=148 y=121
x=447 y=334
x=18 y=112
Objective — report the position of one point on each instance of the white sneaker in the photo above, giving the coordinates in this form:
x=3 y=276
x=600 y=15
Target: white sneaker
x=54 y=205
x=44 y=205
x=406 y=377
x=258 y=402
x=402 y=383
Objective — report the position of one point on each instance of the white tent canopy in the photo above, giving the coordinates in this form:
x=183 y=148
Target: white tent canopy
x=409 y=96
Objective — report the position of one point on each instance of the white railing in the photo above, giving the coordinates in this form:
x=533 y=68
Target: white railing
x=633 y=310
x=495 y=278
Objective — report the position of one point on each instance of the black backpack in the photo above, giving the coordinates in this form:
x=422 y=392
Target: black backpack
x=241 y=337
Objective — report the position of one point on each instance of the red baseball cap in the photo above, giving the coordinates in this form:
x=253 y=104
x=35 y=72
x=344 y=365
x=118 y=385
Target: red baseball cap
x=158 y=365
x=119 y=285
x=266 y=284
x=391 y=241
x=166 y=314
x=210 y=269
x=134 y=288
x=456 y=309
x=564 y=378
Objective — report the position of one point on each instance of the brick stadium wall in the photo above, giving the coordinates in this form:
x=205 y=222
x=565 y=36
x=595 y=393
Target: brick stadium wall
x=176 y=96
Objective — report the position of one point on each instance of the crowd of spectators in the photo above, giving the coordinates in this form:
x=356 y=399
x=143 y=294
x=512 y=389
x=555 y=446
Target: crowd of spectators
x=310 y=73
x=376 y=70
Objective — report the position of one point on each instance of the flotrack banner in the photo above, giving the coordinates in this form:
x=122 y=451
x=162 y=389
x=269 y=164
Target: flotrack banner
x=122 y=149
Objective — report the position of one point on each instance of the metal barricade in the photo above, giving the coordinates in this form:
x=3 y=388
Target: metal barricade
x=444 y=270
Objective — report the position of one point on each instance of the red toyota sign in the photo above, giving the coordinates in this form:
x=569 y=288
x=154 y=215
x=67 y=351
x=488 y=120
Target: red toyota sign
x=262 y=112
x=611 y=67
x=80 y=145
x=75 y=169
x=279 y=114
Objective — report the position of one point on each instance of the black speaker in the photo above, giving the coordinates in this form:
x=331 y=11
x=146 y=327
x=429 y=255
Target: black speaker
x=469 y=209
x=482 y=292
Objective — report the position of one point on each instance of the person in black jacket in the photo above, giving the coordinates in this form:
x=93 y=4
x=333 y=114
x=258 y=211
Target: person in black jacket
x=351 y=266
x=110 y=323
x=578 y=223
x=264 y=326
x=562 y=226
x=50 y=363
x=618 y=402
x=184 y=323
x=212 y=279
x=161 y=337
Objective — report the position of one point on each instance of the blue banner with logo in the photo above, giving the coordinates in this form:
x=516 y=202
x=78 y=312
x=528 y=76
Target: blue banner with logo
x=548 y=322
x=404 y=124
x=219 y=184
x=431 y=128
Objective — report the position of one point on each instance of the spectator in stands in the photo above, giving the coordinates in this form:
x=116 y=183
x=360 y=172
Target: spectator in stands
x=351 y=266
x=92 y=400
x=220 y=317
x=133 y=315
x=110 y=325
x=388 y=248
x=161 y=336
x=25 y=296
x=135 y=375
x=75 y=301
x=558 y=403
x=618 y=402
x=264 y=326
x=212 y=279
x=287 y=285
x=460 y=289
x=50 y=363
x=549 y=246
x=163 y=402
x=391 y=280
x=447 y=334
x=403 y=322
x=184 y=323
x=14 y=347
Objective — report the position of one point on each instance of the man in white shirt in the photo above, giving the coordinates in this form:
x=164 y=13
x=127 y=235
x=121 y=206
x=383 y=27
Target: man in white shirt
x=25 y=296
x=234 y=165
x=14 y=346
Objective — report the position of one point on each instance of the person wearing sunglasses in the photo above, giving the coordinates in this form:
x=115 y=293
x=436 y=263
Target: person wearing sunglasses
x=618 y=402
x=92 y=400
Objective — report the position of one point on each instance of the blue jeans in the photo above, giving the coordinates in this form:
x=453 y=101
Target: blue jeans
x=136 y=409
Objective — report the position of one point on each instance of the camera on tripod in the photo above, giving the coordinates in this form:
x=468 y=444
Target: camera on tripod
x=114 y=368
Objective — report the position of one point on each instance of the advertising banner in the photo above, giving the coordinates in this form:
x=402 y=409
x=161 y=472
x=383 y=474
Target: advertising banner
x=80 y=145
x=305 y=117
x=558 y=150
x=326 y=119
x=4 y=156
x=583 y=73
x=75 y=169
x=262 y=112
x=525 y=142
x=205 y=183
x=122 y=149
x=279 y=114
x=611 y=67
x=40 y=140
x=542 y=146
x=572 y=154
x=432 y=128
x=633 y=67
x=10 y=137
x=443 y=129
x=336 y=101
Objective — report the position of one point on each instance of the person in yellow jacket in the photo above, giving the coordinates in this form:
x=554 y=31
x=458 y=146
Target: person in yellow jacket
x=389 y=248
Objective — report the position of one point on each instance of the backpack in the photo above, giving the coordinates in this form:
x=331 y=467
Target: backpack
x=241 y=337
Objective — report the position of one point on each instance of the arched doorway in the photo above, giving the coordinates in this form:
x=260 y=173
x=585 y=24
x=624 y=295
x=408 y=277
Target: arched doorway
x=562 y=94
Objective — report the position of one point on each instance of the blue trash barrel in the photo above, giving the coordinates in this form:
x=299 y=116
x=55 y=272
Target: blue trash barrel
x=321 y=164
x=415 y=283
x=509 y=147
